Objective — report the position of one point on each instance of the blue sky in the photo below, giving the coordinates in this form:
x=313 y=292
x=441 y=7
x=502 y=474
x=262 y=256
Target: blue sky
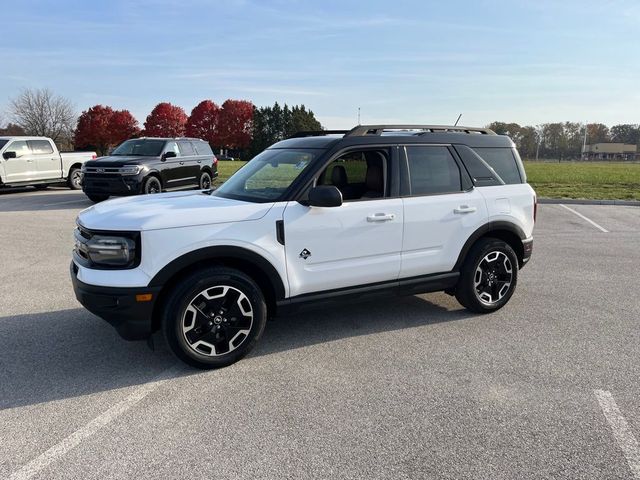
x=528 y=61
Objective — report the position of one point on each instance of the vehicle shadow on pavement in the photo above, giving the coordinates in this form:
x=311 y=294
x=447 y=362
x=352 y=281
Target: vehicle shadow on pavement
x=44 y=201
x=70 y=353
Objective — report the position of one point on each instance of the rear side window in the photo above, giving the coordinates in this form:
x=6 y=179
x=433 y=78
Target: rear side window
x=503 y=162
x=432 y=170
x=40 y=146
x=202 y=148
x=186 y=149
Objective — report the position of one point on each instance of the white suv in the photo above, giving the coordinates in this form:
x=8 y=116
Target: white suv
x=315 y=218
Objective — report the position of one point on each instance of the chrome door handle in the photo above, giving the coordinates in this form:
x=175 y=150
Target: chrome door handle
x=464 y=209
x=181 y=163
x=381 y=217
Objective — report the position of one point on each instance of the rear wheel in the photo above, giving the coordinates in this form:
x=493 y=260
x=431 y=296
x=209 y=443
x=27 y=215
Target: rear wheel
x=74 y=181
x=214 y=317
x=205 y=181
x=95 y=198
x=151 y=185
x=489 y=276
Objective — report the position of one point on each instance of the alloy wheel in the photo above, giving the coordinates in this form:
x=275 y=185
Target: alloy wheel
x=493 y=277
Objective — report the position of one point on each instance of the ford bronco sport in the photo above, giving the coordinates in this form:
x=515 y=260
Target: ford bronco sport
x=317 y=217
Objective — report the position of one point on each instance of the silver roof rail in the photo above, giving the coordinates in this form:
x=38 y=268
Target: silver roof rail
x=363 y=130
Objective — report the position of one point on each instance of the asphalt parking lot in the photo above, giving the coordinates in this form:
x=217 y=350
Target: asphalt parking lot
x=417 y=387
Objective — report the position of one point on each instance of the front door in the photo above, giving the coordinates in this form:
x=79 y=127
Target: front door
x=22 y=168
x=357 y=243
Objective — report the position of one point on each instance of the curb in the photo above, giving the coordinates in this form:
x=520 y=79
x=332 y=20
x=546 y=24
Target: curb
x=569 y=201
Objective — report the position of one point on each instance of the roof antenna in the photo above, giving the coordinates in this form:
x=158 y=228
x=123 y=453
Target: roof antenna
x=459 y=117
x=358 y=115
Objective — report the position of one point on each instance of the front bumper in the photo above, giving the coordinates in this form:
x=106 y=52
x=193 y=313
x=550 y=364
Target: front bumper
x=132 y=319
x=112 y=184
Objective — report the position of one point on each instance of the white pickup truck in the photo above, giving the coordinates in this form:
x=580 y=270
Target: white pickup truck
x=36 y=161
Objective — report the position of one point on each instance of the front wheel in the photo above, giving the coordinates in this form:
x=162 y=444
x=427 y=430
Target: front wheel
x=74 y=181
x=214 y=317
x=489 y=276
x=151 y=185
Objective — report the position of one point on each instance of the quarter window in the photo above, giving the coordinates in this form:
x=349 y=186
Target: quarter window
x=503 y=162
x=432 y=170
x=202 y=148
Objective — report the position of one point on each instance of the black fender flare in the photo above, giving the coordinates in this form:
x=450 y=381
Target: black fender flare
x=222 y=253
x=483 y=231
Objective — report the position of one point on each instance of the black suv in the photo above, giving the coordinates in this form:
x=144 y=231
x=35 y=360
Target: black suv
x=150 y=165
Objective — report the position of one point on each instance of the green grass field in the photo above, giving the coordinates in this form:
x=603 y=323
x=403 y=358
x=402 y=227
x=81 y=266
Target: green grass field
x=593 y=180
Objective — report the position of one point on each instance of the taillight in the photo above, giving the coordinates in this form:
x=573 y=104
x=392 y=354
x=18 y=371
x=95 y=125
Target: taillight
x=535 y=207
x=215 y=160
x=94 y=156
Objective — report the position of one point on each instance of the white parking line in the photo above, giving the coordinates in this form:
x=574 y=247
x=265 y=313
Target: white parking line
x=621 y=431
x=60 y=449
x=587 y=219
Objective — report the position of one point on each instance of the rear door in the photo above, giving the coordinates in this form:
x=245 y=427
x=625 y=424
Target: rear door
x=22 y=168
x=441 y=210
x=188 y=167
x=47 y=160
x=358 y=243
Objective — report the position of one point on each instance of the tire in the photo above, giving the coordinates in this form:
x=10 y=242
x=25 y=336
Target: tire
x=489 y=276
x=214 y=317
x=95 y=198
x=205 y=181
x=151 y=185
x=74 y=181
x=41 y=186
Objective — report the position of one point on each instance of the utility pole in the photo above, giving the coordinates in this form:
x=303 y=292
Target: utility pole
x=584 y=142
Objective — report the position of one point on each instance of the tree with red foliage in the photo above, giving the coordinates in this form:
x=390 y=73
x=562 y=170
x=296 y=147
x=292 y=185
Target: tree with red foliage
x=203 y=122
x=123 y=126
x=165 y=120
x=234 y=124
x=101 y=127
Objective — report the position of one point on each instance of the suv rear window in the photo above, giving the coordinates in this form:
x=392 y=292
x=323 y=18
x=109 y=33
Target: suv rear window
x=202 y=148
x=432 y=170
x=502 y=161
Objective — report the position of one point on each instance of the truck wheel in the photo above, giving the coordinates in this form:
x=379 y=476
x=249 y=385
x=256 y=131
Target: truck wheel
x=95 y=198
x=74 y=181
x=489 y=276
x=214 y=317
x=151 y=185
x=205 y=181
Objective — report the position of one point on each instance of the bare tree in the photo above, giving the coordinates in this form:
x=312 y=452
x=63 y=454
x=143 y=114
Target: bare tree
x=40 y=112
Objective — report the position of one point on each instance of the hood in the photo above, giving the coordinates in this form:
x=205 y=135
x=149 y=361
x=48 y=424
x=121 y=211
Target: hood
x=119 y=161
x=169 y=210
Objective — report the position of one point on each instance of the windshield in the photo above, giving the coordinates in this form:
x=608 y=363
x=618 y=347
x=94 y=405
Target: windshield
x=267 y=176
x=142 y=147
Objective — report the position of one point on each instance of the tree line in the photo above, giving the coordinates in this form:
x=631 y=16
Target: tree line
x=564 y=140
x=237 y=126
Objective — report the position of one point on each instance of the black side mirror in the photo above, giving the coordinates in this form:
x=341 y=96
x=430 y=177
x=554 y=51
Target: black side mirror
x=169 y=154
x=325 y=196
x=8 y=155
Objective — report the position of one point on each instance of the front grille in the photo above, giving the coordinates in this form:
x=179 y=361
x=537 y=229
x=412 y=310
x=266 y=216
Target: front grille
x=102 y=170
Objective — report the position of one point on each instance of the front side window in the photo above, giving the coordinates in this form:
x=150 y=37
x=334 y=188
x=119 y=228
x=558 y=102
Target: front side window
x=20 y=147
x=40 y=147
x=172 y=147
x=359 y=175
x=268 y=176
x=432 y=170
x=141 y=147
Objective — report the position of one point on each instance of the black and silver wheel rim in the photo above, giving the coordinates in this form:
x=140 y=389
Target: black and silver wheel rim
x=153 y=186
x=76 y=179
x=493 y=278
x=205 y=181
x=217 y=321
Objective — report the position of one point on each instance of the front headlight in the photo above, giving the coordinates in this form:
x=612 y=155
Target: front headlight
x=130 y=170
x=106 y=249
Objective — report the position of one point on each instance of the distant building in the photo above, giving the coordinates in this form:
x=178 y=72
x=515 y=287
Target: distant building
x=610 y=151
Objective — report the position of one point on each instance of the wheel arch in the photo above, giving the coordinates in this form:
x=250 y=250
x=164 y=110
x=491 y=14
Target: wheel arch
x=252 y=264
x=508 y=232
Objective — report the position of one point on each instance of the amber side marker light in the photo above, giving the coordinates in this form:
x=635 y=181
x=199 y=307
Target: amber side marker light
x=144 y=297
